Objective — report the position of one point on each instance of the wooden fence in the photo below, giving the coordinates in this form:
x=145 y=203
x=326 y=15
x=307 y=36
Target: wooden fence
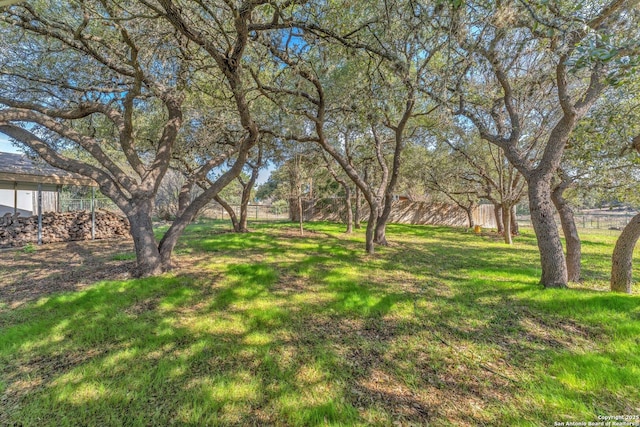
x=403 y=212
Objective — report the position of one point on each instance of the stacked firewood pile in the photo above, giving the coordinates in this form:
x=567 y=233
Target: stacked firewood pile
x=60 y=227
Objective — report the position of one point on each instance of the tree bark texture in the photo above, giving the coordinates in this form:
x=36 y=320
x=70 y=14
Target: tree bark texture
x=621 y=269
x=244 y=206
x=469 y=212
x=380 y=236
x=506 y=220
x=184 y=198
x=572 y=239
x=244 y=213
x=497 y=211
x=370 y=231
x=149 y=262
x=554 y=267
x=515 y=228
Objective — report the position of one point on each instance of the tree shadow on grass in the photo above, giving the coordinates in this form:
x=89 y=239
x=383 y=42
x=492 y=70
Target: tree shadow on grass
x=562 y=335
x=111 y=356
x=351 y=343
x=162 y=350
x=515 y=333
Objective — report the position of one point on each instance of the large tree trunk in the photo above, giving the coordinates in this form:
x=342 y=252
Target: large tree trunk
x=184 y=198
x=515 y=228
x=572 y=239
x=148 y=260
x=371 y=228
x=380 y=235
x=244 y=203
x=469 y=212
x=356 y=217
x=381 y=221
x=497 y=212
x=506 y=220
x=244 y=214
x=230 y=211
x=554 y=267
x=621 y=269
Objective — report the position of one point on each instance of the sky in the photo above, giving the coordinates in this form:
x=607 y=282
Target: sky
x=6 y=146
x=264 y=174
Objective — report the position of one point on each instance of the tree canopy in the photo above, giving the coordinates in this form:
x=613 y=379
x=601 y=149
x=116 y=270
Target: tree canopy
x=478 y=101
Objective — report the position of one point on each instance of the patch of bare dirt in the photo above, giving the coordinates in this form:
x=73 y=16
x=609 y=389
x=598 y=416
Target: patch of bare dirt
x=26 y=276
x=294 y=233
x=290 y=284
x=142 y=307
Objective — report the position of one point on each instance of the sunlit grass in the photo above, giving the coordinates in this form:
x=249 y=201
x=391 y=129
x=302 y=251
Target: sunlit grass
x=124 y=256
x=442 y=327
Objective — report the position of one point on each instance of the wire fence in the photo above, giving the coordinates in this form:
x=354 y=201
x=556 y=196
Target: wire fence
x=212 y=211
x=280 y=211
x=254 y=212
x=72 y=205
x=589 y=221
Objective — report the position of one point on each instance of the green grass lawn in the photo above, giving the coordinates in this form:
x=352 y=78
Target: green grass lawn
x=442 y=327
